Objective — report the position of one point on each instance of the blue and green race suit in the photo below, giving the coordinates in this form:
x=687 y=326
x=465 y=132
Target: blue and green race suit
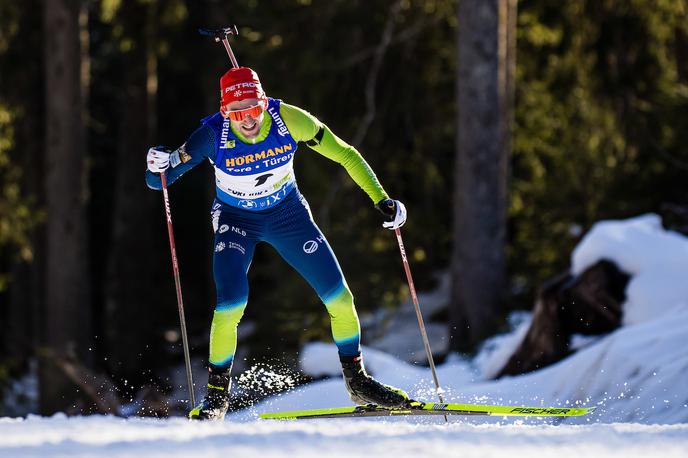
x=257 y=200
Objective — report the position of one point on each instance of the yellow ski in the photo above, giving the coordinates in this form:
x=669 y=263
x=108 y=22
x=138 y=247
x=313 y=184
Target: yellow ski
x=428 y=408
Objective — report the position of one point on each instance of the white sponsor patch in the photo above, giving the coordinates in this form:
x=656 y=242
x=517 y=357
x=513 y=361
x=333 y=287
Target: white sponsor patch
x=247 y=204
x=224 y=228
x=216 y=219
x=236 y=246
x=281 y=127
x=310 y=246
x=244 y=186
x=219 y=247
x=240 y=85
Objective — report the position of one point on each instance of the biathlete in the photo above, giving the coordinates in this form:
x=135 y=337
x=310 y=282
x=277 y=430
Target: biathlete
x=251 y=143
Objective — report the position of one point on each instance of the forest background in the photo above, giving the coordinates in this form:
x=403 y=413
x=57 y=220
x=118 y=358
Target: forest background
x=591 y=99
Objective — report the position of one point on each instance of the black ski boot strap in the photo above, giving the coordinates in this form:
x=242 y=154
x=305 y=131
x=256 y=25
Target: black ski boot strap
x=352 y=366
x=219 y=380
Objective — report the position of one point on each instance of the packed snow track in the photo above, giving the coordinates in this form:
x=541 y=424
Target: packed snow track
x=113 y=437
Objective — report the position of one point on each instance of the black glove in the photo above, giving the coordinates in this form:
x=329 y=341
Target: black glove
x=394 y=213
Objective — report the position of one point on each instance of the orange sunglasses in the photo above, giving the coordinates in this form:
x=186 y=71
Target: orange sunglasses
x=239 y=115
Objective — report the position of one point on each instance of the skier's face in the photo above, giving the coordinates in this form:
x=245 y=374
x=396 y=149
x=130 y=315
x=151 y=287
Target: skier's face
x=249 y=126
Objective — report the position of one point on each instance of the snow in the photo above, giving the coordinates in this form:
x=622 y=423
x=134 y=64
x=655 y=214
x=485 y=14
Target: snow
x=22 y=394
x=113 y=438
x=657 y=260
x=636 y=376
x=496 y=351
x=396 y=331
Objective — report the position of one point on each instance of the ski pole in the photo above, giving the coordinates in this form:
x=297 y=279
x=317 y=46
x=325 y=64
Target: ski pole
x=222 y=35
x=177 y=282
x=424 y=334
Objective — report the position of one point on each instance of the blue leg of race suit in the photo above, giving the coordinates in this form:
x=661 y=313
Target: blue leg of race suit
x=288 y=227
x=235 y=243
x=298 y=239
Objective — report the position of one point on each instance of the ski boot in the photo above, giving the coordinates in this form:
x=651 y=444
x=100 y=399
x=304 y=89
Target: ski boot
x=363 y=389
x=215 y=403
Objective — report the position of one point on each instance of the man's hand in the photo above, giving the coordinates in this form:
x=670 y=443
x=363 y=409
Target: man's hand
x=158 y=158
x=394 y=212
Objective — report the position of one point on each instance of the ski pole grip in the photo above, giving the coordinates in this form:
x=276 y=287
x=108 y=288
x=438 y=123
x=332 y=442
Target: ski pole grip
x=219 y=34
x=222 y=35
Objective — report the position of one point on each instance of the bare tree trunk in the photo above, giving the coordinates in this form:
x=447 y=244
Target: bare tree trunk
x=681 y=53
x=26 y=287
x=130 y=316
x=507 y=72
x=478 y=258
x=66 y=318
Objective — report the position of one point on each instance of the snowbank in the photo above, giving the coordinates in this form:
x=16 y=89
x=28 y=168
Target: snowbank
x=657 y=260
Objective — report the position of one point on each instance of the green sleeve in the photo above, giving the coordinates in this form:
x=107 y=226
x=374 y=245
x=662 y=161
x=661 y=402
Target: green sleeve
x=304 y=127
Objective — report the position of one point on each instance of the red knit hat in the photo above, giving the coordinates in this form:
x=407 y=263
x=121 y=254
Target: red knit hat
x=238 y=84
